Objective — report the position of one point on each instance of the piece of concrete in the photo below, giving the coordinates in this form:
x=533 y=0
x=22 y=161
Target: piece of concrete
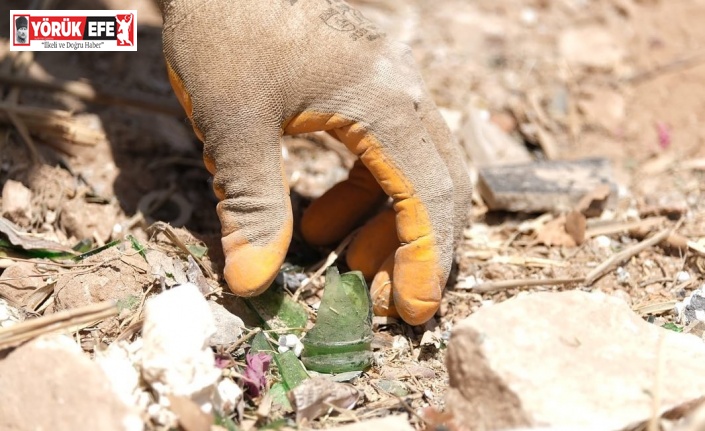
x=50 y=384
x=176 y=358
x=548 y=186
x=571 y=359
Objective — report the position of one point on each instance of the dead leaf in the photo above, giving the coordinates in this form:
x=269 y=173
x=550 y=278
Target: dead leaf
x=554 y=233
x=315 y=396
x=28 y=242
x=38 y=296
x=575 y=225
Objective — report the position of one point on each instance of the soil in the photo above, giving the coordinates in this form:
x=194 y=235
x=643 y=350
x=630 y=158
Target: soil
x=620 y=79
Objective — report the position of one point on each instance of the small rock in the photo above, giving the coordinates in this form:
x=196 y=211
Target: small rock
x=19 y=280
x=591 y=46
x=573 y=359
x=227 y=396
x=623 y=276
x=683 y=276
x=602 y=241
x=692 y=307
x=605 y=108
x=176 y=358
x=16 y=202
x=393 y=387
x=50 y=384
x=228 y=326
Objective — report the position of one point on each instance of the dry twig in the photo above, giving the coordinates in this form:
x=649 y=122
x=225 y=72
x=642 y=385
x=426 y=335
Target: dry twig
x=624 y=255
x=60 y=321
x=496 y=286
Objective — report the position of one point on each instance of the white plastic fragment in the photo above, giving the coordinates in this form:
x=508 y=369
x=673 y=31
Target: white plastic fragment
x=290 y=342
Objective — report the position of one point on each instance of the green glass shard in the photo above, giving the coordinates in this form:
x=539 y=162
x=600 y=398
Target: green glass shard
x=341 y=339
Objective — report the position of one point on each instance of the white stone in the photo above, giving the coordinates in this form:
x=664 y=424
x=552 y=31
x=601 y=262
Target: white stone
x=176 y=358
x=683 y=276
x=227 y=396
x=602 y=241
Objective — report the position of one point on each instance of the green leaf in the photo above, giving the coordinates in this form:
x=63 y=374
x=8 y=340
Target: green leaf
x=672 y=327
x=197 y=250
x=97 y=250
x=137 y=246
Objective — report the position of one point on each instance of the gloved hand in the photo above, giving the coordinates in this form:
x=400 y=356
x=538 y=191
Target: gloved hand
x=248 y=71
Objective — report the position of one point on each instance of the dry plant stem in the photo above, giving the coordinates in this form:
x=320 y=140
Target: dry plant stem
x=619 y=227
x=48 y=263
x=169 y=232
x=56 y=322
x=657 y=308
x=243 y=340
x=624 y=255
x=88 y=93
x=59 y=274
x=131 y=329
x=53 y=125
x=496 y=286
x=330 y=260
x=675 y=66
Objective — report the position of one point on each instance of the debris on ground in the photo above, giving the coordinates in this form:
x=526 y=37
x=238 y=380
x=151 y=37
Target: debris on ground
x=538 y=187
x=571 y=359
x=46 y=383
x=102 y=149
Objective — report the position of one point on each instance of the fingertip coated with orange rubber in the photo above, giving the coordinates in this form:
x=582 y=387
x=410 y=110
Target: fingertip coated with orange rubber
x=374 y=243
x=418 y=278
x=250 y=269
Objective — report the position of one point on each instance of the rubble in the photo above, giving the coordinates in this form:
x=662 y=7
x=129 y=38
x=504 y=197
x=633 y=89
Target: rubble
x=571 y=359
x=45 y=385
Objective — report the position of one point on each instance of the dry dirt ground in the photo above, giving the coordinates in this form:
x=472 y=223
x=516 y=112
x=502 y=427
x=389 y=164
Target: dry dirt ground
x=621 y=79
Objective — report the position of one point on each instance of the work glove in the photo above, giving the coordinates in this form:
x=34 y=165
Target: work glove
x=248 y=71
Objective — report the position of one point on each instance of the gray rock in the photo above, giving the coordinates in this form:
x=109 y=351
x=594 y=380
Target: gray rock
x=228 y=326
x=572 y=359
